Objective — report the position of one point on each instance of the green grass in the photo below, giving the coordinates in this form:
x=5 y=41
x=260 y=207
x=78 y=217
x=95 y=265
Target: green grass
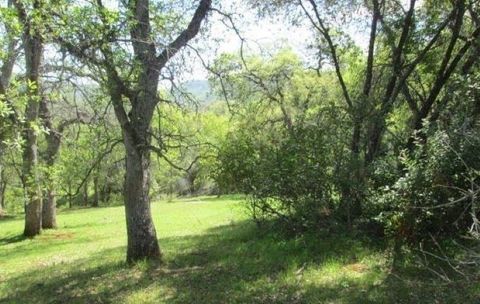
x=212 y=254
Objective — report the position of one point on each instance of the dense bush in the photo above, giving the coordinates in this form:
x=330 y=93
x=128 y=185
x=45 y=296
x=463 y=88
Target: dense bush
x=286 y=179
x=434 y=196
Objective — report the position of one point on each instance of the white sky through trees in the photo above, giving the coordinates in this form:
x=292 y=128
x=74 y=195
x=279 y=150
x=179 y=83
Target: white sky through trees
x=262 y=34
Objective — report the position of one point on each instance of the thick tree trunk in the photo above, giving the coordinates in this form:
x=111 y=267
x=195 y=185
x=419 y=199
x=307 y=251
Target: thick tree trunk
x=33 y=206
x=49 y=218
x=142 y=237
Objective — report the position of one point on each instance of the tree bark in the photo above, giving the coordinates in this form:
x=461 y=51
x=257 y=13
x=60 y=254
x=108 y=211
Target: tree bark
x=142 y=237
x=377 y=126
x=49 y=210
x=95 y=191
x=85 y=193
x=49 y=214
x=33 y=47
x=33 y=206
x=3 y=188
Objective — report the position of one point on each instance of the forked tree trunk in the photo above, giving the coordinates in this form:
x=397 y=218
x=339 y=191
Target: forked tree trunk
x=142 y=237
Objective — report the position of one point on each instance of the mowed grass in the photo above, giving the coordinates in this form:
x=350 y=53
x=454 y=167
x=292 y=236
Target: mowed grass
x=212 y=254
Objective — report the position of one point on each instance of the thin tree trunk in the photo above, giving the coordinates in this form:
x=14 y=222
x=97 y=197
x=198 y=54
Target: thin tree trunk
x=70 y=197
x=3 y=188
x=95 y=191
x=350 y=196
x=49 y=212
x=85 y=193
x=375 y=135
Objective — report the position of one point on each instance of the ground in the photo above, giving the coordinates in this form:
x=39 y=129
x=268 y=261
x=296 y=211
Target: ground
x=212 y=254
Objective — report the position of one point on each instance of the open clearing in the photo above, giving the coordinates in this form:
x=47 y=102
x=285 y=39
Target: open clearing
x=212 y=254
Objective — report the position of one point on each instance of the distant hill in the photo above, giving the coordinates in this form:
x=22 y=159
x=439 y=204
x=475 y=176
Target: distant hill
x=200 y=89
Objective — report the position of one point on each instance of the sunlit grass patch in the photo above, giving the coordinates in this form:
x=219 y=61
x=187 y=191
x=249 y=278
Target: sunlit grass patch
x=212 y=254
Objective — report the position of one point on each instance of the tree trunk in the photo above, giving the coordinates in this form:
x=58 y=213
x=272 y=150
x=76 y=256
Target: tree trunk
x=53 y=139
x=191 y=177
x=192 y=186
x=142 y=237
x=70 y=196
x=33 y=48
x=375 y=135
x=95 y=191
x=85 y=193
x=3 y=188
x=351 y=194
x=49 y=218
x=33 y=206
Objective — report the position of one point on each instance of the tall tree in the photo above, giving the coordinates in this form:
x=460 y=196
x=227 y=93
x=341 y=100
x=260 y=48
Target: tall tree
x=33 y=49
x=403 y=39
x=8 y=56
x=134 y=96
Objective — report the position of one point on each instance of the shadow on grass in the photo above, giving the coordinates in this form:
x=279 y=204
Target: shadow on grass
x=12 y=239
x=205 y=199
x=228 y=264
x=8 y=218
x=86 y=209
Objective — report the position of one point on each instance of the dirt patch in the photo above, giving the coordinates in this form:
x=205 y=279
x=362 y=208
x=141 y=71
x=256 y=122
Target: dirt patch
x=57 y=236
x=357 y=267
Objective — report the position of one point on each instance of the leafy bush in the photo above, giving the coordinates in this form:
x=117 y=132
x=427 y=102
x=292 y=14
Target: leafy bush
x=286 y=179
x=434 y=197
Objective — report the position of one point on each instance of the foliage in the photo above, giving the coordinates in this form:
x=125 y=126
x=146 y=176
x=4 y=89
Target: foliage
x=190 y=142
x=378 y=136
x=279 y=151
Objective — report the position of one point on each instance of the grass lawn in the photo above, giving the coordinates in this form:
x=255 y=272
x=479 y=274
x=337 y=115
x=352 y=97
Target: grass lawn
x=212 y=254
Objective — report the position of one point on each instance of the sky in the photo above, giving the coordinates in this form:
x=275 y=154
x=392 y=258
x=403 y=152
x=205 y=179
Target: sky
x=265 y=33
